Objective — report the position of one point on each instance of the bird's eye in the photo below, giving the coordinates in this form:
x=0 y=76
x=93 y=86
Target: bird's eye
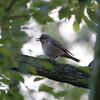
x=43 y=37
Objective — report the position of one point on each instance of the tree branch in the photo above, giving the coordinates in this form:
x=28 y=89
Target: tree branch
x=65 y=73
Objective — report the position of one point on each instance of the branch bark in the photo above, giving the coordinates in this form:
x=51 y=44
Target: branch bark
x=65 y=73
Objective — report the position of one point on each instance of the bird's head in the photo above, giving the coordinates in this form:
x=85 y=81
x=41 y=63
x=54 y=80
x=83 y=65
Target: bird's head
x=43 y=38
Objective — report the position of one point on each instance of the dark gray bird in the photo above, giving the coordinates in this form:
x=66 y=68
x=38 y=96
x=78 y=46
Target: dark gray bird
x=53 y=49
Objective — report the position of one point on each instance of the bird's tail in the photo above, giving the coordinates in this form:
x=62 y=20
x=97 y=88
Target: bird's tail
x=71 y=57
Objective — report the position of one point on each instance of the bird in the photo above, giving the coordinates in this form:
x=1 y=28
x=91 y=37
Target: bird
x=54 y=49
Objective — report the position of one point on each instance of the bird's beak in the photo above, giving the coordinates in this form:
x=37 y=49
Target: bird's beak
x=37 y=39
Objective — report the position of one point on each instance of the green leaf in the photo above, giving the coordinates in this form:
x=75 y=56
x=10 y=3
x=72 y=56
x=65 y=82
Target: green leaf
x=90 y=24
x=62 y=13
x=60 y=94
x=37 y=3
x=79 y=13
x=12 y=75
x=1 y=12
x=14 y=94
x=38 y=79
x=44 y=8
x=78 y=17
x=5 y=51
x=6 y=74
x=3 y=94
x=32 y=70
x=56 y=3
x=91 y=14
x=46 y=65
x=94 y=6
x=49 y=90
x=76 y=26
x=85 y=69
x=45 y=18
x=85 y=80
x=46 y=88
x=5 y=81
x=18 y=77
x=23 y=67
x=65 y=12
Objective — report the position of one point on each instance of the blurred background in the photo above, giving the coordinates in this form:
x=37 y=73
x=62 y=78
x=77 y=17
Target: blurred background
x=76 y=36
x=80 y=43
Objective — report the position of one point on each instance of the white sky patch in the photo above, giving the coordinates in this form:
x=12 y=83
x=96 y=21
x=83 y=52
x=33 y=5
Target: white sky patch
x=32 y=47
x=93 y=38
x=66 y=30
x=54 y=14
x=81 y=52
x=84 y=97
x=34 y=86
x=32 y=28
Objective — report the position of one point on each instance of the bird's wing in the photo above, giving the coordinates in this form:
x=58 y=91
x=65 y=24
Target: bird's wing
x=58 y=44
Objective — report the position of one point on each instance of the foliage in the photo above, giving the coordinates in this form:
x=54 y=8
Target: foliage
x=66 y=10
x=14 y=13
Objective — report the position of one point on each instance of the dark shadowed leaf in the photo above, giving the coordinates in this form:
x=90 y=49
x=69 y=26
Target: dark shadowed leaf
x=17 y=76
x=44 y=19
x=6 y=81
x=65 y=12
x=78 y=17
x=90 y=24
x=14 y=94
x=92 y=14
